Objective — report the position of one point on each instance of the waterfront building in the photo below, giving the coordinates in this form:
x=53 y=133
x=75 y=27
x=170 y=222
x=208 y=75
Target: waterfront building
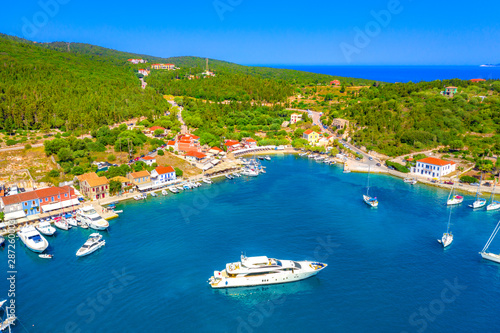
x=249 y=142
x=95 y=188
x=123 y=180
x=232 y=145
x=433 y=167
x=141 y=179
x=161 y=175
x=311 y=136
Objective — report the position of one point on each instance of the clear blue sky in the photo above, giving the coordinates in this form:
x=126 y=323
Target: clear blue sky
x=272 y=32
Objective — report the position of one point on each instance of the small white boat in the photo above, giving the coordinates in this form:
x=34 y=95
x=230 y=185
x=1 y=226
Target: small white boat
x=488 y=255
x=229 y=177
x=93 y=243
x=207 y=181
x=198 y=184
x=411 y=181
x=446 y=240
x=164 y=192
x=319 y=158
x=311 y=156
x=249 y=172
x=46 y=256
x=302 y=154
x=72 y=222
x=46 y=228
x=83 y=225
x=494 y=205
x=236 y=175
x=138 y=197
x=32 y=239
x=173 y=189
x=2 y=240
x=180 y=188
x=186 y=186
x=478 y=202
x=118 y=211
x=268 y=158
x=153 y=194
x=455 y=200
x=61 y=224
x=370 y=201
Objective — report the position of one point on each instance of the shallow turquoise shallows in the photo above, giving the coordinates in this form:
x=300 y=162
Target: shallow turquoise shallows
x=386 y=273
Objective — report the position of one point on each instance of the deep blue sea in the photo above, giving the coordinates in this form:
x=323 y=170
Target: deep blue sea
x=386 y=273
x=403 y=73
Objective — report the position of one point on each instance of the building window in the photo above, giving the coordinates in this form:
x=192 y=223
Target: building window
x=26 y=204
x=52 y=199
x=65 y=195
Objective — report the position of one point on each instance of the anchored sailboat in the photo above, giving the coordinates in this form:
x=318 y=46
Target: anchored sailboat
x=491 y=256
x=479 y=202
x=494 y=205
x=372 y=202
x=454 y=199
x=447 y=238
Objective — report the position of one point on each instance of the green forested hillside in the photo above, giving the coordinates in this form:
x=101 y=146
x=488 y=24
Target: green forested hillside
x=396 y=119
x=43 y=88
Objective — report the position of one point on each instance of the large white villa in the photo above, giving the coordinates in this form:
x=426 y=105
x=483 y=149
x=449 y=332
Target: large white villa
x=433 y=167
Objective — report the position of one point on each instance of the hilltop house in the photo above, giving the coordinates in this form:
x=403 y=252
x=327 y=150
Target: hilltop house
x=188 y=142
x=144 y=72
x=249 y=142
x=335 y=83
x=163 y=66
x=449 y=91
x=149 y=160
x=137 y=61
x=311 y=136
x=433 y=167
x=162 y=175
x=232 y=145
x=295 y=117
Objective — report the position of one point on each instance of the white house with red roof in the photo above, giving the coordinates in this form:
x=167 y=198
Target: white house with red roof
x=137 y=61
x=144 y=72
x=149 y=160
x=215 y=150
x=172 y=144
x=433 y=167
x=188 y=142
x=195 y=156
x=311 y=136
x=162 y=175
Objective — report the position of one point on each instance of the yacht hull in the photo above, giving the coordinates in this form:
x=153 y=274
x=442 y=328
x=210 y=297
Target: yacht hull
x=491 y=257
x=370 y=203
x=98 y=227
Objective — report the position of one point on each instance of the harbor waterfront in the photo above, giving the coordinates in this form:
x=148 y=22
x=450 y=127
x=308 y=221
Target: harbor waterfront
x=386 y=271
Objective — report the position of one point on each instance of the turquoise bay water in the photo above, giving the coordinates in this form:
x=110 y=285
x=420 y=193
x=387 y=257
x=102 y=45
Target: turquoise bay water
x=386 y=272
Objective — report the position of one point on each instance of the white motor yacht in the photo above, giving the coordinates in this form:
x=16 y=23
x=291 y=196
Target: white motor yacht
x=92 y=218
x=253 y=271
x=249 y=172
x=93 y=243
x=32 y=239
x=207 y=181
x=46 y=228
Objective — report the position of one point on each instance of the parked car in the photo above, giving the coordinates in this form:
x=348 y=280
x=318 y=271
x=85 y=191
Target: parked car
x=357 y=158
x=378 y=164
x=153 y=151
x=475 y=184
x=449 y=182
x=142 y=156
x=370 y=158
x=136 y=159
x=487 y=184
x=391 y=168
x=131 y=161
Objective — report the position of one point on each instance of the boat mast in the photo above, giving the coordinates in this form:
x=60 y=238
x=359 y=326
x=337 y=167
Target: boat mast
x=493 y=192
x=449 y=220
x=479 y=186
x=368 y=181
x=493 y=235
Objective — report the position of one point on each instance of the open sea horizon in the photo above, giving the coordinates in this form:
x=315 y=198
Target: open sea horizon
x=404 y=74
x=386 y=271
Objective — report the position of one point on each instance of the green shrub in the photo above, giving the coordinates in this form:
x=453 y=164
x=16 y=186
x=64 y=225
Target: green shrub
x=111 y=158
x=161 y=152
x=468 y=179
x=11 y=142
x=397 y=166
x=28 y=146
x=54 y=173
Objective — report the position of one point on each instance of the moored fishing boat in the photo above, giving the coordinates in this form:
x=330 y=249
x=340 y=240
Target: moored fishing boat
x=46 y=228
x=253 y=271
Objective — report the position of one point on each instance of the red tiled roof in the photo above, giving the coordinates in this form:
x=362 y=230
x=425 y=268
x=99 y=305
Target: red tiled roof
x=308 y=132
x=216 y=148
x=11 y=199
x=37 y=194
x=435 y=161
x=147 y=158
x=154 y=128
x=195 y=154
x=251 y=140
x=171 y=143
x=161 y=170
x=477 y=80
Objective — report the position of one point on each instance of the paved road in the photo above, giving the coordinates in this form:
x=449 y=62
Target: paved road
x=184 y=128
x=21 y=147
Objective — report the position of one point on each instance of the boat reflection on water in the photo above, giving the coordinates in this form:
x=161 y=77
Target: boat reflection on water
x=262 y=293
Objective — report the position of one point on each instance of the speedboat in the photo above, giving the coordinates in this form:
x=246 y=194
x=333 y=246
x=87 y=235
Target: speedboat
x=410 y=181
x=173 y=189
x=93 y=243
x=46 y=228
x=92 y=218
x=207 y=181
x=164 y=192
x=370 y=201
x=153 y=194
x=83 y=224
x=236 y=175
x=61 y=223
x=446 y=240
x=268 y=158
x=494 y=205
x=180 y=188
x=455 y=200
x=46 y=256
x=32 y=239
x=186 y=186
x=229 y=177
x=254 y=271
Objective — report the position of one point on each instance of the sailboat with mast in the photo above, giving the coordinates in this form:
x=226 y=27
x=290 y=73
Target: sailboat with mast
x=447 y=238
x=487 y=255
x=454 y=199
x=479 y=202
x=494 y=205
x=370 y=201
